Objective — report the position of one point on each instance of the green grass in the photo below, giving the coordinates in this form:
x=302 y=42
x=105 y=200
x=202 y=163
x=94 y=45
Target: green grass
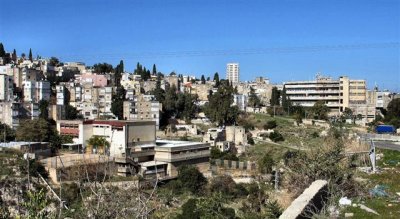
x=258 y=150
x=390 y=158
x=390 y=179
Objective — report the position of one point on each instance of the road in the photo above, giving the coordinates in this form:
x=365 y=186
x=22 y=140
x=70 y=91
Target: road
x=388 y=145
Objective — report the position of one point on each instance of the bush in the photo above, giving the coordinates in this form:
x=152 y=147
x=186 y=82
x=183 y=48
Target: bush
x=265 y=164
x=315 y=135
x=271 y=124
x=225 y=185
x=250 y=140
x=191 y=179
x=276 y=136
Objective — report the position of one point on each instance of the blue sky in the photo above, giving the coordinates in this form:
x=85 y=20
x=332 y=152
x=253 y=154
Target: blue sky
x=186 y=36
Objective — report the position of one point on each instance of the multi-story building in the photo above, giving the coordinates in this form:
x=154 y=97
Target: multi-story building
x=383 y=99
x=34 y=91
x=143 y=108
x=96 y=80
x=240 y=101
x=232 y=72
x=6 y=87
x=60 y=95
x=336 y=94
x=121 y=135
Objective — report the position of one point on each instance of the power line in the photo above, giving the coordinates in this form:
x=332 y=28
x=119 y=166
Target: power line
x=232 y=52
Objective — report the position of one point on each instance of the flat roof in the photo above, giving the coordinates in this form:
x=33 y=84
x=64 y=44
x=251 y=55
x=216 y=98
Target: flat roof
x=172 y=143
x=152 y=163
x=19 y=143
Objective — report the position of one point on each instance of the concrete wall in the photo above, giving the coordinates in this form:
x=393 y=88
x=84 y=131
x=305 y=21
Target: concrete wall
x=309 y=202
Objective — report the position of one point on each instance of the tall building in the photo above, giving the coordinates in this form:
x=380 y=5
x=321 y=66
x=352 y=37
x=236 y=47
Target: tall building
x=336 y=94
x=232 y=72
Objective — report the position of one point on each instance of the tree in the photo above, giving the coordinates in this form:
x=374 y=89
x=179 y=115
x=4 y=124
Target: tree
x=23 y=55
x=170 y=99
x=265 y=164
x=154 y=72
x=71 y=112
x=36 y=204
x=276 y=136
x=6 y=132
x=54 y=61
x=275 y=97
x=219 y=109
x=44 y=109
x=207 y=207
x=216 y=79
x=30 y=55
x=393 y=109
x=119 y=69
x=103 y=68
x=203 y=79
x=223 y=184
x=158 y=92
x=274 y=210
x=254 y=100
x=14 y=56
x=320 y=110
x=37 y=130
x=348 y=113
x=2 y=51
x=191 y=178
x=99 y=143
x=189 y=210
x=286 y=103
x=117 y=105
x=271 y=124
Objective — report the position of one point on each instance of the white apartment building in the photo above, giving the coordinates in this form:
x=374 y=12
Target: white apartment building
x=240 y=101
x=232 y=72
x=34 y=91
x=6 y=87
x=60 y=94
x=336 y=94
x=383 y=99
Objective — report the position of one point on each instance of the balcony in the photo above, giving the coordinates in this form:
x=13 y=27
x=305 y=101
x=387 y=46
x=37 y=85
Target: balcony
x=183 y=156
x=330 y=91
x=313 y=98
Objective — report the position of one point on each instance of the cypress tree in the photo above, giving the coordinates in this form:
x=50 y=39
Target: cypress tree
x=2 y=51
x=203 y=80
x=30 y=54
x=216 y=79
x=14 y=56
x=154 y=69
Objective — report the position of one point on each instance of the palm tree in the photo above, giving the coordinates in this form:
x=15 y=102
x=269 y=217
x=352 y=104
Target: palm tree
x=99 y=143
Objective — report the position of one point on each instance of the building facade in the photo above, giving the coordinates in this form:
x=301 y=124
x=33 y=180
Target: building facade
x=232 y=72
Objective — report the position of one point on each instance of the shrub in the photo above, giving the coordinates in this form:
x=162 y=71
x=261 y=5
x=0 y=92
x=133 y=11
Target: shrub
x=276 y=136
x=271 y=124
x=265 y=164
x=191 y=179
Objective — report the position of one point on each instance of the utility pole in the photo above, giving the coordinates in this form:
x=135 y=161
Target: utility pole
x=276 y=179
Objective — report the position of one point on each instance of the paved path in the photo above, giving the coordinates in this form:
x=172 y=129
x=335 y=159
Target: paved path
x=388 y=145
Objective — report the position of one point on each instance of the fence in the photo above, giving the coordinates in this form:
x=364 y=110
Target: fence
x=234 y=165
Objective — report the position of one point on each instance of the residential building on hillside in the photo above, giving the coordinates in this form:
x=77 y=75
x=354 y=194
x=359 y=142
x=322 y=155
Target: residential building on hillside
x=6 y=87
x=142 y=108
x=34 y=91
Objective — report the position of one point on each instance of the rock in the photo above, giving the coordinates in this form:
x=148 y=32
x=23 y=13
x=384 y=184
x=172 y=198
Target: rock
x=354 y=205
x=344 y=201
x=390 y=205
x=348 y=214
x=368 y=209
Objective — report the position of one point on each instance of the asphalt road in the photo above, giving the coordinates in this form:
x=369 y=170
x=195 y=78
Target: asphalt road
x=388 y=145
